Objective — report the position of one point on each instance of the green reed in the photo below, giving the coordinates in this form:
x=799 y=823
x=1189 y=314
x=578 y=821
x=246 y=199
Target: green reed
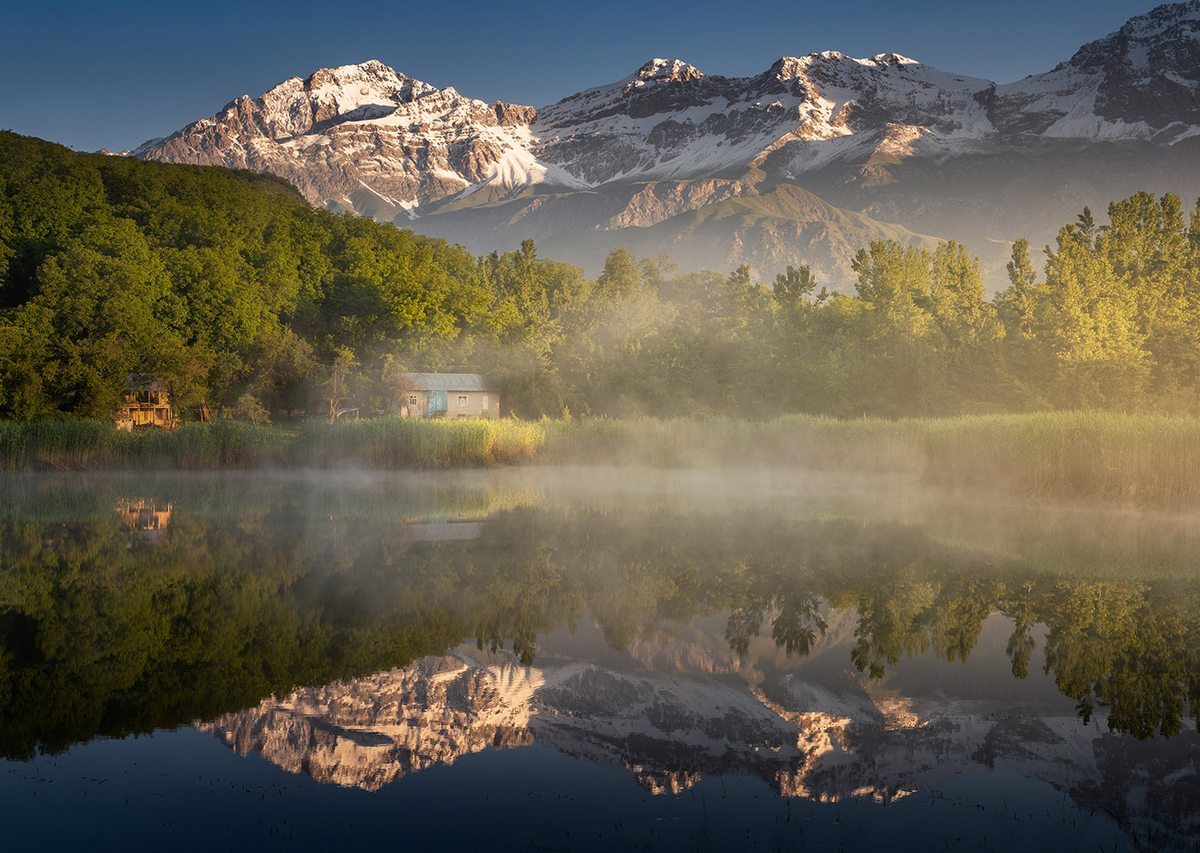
x=1136 y=457
x=373 y=443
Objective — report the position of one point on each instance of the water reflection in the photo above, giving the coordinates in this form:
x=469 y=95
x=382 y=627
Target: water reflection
x=809 y=734
x=147 y=515
x=831 y=644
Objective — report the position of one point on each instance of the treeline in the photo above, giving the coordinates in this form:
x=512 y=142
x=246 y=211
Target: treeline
x=237 y=295
x=232 y=291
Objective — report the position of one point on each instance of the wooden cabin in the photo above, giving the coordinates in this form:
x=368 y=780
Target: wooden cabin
x=447 y=395
x=145 y=403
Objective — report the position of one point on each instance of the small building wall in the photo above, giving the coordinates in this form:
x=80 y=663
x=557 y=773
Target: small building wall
x=146 y=408
x=459 y=404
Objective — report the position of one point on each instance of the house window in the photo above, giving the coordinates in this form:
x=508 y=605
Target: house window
x=412 y=399
x=462 y=401
x=483 y=402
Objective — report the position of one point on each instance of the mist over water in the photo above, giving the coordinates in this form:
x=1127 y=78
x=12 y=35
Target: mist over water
x=695 y=657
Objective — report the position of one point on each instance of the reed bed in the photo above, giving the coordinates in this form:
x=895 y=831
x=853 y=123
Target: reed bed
x=374 y=443
x=1068 y=454
x=93 y=445
x=1140 y=458
x=406 y=443
x=1086 y=455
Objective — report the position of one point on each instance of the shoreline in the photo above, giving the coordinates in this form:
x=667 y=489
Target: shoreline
x=1139 y=459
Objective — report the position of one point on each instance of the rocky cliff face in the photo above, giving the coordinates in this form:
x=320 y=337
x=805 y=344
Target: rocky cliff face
x=360 y=137
x=882 y=140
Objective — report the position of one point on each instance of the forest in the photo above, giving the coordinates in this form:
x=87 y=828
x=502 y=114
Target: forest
x=239 y=296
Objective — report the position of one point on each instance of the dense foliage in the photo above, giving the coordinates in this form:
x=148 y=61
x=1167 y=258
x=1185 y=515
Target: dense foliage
x=238 y=295
x=233 y=291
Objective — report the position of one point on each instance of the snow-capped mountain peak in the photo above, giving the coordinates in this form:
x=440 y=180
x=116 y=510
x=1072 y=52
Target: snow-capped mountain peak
x=358 y=137
x=894 y=59
x=410 y=144
x=823 y=742
x=667 y=70
x=368 y=138
x=1141 y=82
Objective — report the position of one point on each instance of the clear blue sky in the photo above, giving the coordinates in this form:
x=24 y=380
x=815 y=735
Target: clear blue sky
x=92 y=74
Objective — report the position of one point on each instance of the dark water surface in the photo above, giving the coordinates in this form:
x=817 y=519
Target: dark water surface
x=575 y=659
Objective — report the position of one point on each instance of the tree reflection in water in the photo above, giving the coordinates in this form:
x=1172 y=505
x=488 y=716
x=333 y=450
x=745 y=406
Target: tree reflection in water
x=257 y=589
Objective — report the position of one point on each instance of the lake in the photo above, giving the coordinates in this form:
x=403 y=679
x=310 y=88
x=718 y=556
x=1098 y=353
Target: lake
x=591 y=659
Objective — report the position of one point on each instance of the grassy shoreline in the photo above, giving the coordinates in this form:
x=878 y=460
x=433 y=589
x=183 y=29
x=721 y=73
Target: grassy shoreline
x=1141 y=458
x=382 y=443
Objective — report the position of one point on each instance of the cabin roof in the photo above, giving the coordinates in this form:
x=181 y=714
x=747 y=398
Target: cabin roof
x=142 y=382
x=445 y=382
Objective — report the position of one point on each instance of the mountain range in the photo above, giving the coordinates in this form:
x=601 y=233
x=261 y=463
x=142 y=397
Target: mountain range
x=802 y=163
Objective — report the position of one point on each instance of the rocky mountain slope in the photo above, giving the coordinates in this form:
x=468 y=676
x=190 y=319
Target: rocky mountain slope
x=804 y=162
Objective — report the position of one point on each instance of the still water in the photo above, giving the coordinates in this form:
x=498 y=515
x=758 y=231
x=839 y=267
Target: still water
x=575 y=659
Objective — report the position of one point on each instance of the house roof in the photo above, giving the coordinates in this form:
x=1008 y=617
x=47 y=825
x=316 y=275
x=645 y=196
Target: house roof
x=445 y=382
x=142 y=382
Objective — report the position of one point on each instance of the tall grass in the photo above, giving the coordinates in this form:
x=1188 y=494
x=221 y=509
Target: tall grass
x=86 y=445
x=375 y=443
x=1146 y=458
x=407 y=443
x=1073 y=454
x=1135 y=457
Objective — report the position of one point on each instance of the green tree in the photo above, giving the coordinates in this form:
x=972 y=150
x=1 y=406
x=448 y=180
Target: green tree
x=620 y=276
x=956 y=297
x=1090 y=318
x=1017 y=304
x=1147 y=246
x=106 y=294
x=794 y=286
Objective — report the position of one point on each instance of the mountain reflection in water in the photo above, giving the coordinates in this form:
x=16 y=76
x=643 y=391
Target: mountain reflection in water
x=833 y=642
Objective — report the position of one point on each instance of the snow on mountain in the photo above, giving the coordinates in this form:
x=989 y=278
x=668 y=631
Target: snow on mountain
x=1141 y=82
x=362 y=128
x=669 y=121
x=875 y=136
x=410 y=143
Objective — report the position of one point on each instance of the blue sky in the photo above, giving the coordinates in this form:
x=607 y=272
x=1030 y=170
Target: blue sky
x=92 y=74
